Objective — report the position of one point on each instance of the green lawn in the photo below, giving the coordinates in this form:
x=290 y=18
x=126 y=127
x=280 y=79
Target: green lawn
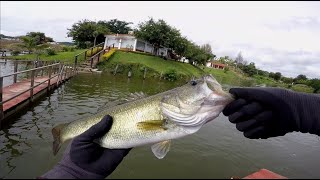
x=60 y=56
x=229 y=77
x=156 y=64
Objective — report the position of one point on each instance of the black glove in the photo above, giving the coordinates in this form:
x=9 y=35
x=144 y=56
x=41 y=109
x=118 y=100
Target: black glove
x=86 y=159
x=271 y=112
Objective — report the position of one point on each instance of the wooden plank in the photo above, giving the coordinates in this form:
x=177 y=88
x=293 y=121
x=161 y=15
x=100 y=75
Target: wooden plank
x=19 y=87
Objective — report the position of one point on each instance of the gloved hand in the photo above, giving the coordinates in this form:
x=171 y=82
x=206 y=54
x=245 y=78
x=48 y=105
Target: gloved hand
x=85 y=159
x=271 y=112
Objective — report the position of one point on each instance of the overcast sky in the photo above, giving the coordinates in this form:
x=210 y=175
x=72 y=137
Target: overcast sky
x=277 y=36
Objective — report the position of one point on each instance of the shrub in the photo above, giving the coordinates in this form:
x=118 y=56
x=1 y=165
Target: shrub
x=50 y=52
x=72 y=48
x=108 y=55
x=15 y=53
x=137 y=52
x=170 y=75
x=65 y=48
x=226 y=69
x=94 y=51
x=68 y=48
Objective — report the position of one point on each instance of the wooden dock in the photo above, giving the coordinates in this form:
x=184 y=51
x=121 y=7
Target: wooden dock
x=18 y=95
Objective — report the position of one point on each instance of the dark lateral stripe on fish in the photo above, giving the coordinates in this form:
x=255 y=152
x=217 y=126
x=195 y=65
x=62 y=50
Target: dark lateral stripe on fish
x=151 y=125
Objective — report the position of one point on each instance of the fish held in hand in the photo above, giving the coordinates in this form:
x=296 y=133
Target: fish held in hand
x=155 y=119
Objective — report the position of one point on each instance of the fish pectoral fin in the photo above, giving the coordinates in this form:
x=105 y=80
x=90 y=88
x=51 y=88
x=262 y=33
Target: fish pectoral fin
x=161 y=149
x=151 y=125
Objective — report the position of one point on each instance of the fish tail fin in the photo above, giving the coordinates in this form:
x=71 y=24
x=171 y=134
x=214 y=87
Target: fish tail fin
x=56 y=133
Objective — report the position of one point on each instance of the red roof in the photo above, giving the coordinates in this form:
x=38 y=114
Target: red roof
x=218 y=64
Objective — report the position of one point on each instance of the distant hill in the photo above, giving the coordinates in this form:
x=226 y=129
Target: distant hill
x=4 y=36
x=66 y=43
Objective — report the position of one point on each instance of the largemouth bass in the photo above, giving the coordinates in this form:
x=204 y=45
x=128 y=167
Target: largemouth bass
x=154 y=120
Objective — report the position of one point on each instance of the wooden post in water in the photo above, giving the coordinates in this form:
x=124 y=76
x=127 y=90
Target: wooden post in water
x=65 y=72
x=68 y=71
x=75 y=64
x=145 y=73
x=115 y=71
x=99 y=56
x=42 y=64
x=49 y=74
x=32 y=84
x=15 y=70
x=1 y=105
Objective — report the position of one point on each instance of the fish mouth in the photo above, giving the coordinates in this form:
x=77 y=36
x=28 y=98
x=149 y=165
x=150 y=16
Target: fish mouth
x=199 y=112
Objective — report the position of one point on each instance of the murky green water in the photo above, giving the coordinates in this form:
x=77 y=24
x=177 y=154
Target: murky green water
x=218 y=150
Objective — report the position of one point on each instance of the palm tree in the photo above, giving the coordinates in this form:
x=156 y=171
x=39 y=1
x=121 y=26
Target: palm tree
x=30 y=43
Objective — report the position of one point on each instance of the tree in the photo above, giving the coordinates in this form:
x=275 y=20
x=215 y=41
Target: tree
x=158 y=33
x=117 y=26
x=84 y=33
x=30 y=43
x=206 y=48
x=239 y=59
x=300 y=79
x=99 y=29
x=315 y=84
x=287 y=80
x=39 y=37
x=249 y=69
x=277 y=76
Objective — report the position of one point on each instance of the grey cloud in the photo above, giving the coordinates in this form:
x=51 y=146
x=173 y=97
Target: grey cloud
x=55 y=28
x=289 y=63
x=293 y=23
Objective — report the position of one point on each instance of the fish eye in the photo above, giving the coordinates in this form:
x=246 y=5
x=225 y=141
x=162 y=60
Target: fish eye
x=193 y=82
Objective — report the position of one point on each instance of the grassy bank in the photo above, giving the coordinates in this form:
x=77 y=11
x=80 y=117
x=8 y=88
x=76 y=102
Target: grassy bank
x=172 y=70
x=229 y=77
x=60 y=56
x=156 y=66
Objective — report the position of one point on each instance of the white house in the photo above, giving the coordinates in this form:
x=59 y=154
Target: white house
x=130 y=42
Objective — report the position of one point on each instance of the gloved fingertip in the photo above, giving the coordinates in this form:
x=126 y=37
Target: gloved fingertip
x=105 y=124
x=107 y=120
x=100 y=128
x=254 y=133
x=234 y=106
x=239 y=92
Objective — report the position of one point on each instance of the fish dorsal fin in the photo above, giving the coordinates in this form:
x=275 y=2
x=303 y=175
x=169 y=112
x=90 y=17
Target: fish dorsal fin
x=135 y=96
x=161 y=149
x=111 y=104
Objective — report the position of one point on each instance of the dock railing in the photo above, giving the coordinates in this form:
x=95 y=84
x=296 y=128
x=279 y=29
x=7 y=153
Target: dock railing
x=60 y=70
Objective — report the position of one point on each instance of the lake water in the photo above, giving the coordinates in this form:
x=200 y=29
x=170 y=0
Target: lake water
x=218 y=150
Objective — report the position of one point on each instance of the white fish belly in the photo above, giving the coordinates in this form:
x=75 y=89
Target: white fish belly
x=143 y=138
